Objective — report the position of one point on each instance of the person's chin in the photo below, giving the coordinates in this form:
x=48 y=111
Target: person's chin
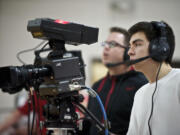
x=105 y=62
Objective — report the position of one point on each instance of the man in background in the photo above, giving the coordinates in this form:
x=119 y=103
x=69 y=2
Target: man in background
x=118 y=87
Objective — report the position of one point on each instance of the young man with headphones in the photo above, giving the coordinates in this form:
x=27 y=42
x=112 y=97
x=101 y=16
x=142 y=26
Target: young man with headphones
x=118 y=87
x=156 y=107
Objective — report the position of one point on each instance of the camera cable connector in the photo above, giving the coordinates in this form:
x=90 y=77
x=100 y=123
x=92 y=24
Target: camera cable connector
x=107 y=124
x=31 y=91
x=75 y=87
x=92 y=93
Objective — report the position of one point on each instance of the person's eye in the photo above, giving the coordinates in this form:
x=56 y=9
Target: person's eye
x=137 y=44
x=112 y=44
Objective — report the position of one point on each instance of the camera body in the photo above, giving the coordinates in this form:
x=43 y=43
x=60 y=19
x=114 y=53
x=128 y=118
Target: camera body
x=52 y=76
x=65 y=71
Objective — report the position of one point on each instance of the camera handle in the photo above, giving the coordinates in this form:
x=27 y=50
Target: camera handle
x=58 y=49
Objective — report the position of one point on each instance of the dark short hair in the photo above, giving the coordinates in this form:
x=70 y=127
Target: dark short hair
x=122 y=31
x=151 y=33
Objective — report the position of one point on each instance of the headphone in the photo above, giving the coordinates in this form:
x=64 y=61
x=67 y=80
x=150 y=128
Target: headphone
x=159 y=48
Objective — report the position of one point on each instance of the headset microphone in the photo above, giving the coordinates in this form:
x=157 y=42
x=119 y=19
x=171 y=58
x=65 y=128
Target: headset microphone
x=127 y=62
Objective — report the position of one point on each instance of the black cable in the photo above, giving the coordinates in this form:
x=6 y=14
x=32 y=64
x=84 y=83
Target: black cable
x=44 y=46
x=152 y=103
x=91 y=115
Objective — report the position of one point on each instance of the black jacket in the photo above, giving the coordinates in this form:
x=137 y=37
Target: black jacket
x=117 y=94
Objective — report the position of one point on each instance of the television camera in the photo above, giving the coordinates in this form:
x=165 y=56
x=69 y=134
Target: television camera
x=54 y=76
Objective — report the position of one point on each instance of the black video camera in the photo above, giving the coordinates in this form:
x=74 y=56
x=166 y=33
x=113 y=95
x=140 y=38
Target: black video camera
x=55 y=67
x=52 y=76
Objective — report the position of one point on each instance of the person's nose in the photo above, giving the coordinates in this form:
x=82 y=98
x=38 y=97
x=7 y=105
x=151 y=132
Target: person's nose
x=106 y=47
x=131 y=51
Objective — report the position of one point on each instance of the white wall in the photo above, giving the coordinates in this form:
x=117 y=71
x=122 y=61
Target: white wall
x=14 y=15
